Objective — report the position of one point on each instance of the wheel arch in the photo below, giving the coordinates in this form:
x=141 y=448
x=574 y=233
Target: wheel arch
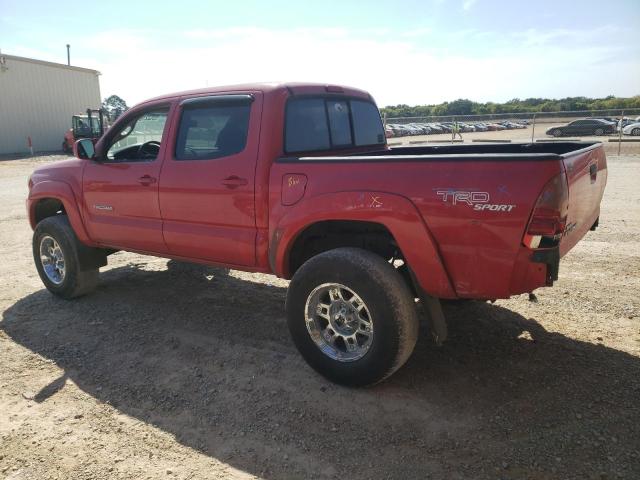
x=51 y=198
x=381 y=220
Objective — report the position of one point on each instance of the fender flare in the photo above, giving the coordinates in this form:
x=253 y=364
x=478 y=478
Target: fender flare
x=61 y=191
x=397 y=213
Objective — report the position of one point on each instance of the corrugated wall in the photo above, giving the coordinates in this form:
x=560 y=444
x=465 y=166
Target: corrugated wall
x=38 y=100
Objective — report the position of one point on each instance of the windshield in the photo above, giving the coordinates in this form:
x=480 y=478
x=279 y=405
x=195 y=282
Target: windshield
x=143 y=129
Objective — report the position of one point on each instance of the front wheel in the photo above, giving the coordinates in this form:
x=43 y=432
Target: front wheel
x=557 y=132
x=635 y=132
x=599 y=131
x=58 y=256
x=352 y=316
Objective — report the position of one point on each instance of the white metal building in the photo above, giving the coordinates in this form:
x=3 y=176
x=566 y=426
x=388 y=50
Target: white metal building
x=38 y=99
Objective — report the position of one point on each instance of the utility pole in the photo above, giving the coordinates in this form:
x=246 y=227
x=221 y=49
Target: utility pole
x=68 y=54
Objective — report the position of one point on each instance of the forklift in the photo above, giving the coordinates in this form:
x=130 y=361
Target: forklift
x=91 y=125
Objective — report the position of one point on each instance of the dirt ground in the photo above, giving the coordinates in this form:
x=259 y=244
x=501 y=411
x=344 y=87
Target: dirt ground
x=187 y=372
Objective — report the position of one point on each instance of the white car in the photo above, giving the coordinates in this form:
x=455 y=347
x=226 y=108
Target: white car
x=632 y=129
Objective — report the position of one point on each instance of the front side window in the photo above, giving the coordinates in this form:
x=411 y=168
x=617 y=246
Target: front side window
x=212 y=131
x=140 y=138
x=322 y=123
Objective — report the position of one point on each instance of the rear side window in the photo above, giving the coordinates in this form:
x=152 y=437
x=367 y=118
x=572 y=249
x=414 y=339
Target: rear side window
x=212 y=131
x=316 y=123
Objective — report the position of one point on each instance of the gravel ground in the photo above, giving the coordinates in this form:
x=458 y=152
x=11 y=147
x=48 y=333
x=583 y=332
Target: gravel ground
x=177 y=371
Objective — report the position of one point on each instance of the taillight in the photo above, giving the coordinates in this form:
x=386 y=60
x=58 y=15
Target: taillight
x=549 y=217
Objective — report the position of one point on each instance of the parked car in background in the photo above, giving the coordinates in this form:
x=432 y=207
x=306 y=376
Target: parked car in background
x=632 y=129
x=608 y=119
x=624 y=122
x=588 y=126
x=447 y=127
x=388 y=131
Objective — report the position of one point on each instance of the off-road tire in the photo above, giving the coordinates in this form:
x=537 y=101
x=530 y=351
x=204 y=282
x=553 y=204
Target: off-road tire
x=80 y=277
x=388 y=299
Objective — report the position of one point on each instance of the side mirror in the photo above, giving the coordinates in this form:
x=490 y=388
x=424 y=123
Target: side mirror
x=84 y=149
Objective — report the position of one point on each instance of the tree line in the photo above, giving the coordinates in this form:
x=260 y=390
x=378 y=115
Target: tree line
x=468 y=107
x=113 y=107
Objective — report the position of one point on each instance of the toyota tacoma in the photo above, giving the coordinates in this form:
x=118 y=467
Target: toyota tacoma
x=297 y=180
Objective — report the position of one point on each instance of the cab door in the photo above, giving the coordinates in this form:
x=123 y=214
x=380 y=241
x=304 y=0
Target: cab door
x=207 y=185
x=121 y=189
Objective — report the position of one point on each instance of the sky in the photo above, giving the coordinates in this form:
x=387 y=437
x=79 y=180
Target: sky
x=403 y=52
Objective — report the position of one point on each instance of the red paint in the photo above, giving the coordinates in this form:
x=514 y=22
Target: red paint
x=246 y=210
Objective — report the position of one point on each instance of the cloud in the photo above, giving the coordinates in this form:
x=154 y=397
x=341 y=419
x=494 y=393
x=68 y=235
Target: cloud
x=395 y=66
x=468 y=4
x=603 y=35
x=417 y=32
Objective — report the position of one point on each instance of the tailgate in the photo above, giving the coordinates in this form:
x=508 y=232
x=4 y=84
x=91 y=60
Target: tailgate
x=586 y=171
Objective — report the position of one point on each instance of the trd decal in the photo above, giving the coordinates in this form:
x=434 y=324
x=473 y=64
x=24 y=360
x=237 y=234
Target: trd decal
x=103 y=207
x=479 y=201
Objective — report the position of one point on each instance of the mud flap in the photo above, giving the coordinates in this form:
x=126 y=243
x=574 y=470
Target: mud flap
x=437 y=322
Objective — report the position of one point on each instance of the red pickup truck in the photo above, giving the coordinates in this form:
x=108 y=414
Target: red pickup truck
x=297 y=180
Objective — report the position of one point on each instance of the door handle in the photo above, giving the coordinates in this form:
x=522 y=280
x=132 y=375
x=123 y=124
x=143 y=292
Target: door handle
x=147 y=180
x=593 y=171
x=234 y=181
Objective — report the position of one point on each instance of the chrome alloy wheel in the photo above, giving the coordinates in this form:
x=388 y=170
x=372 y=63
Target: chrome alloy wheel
x=339 y=322
x=52 y=259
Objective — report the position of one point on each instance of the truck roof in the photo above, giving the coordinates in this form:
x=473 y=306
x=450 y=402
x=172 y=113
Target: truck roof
x=296 y=88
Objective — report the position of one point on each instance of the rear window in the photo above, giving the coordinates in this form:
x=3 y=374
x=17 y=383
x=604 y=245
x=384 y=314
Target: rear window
x=314 y=124
x=367 y=126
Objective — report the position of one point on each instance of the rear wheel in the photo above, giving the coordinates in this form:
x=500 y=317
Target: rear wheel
x=57 y=253
x=557 y=132
x=599 y=131
x=352 y=316
x=635 y=132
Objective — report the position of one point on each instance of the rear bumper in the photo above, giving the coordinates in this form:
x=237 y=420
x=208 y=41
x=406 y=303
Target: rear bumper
x=551 y=258
x=534 y=269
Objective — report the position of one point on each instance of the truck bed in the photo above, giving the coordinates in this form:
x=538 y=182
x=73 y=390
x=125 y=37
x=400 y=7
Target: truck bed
x=485 y=151
x=506 y=179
